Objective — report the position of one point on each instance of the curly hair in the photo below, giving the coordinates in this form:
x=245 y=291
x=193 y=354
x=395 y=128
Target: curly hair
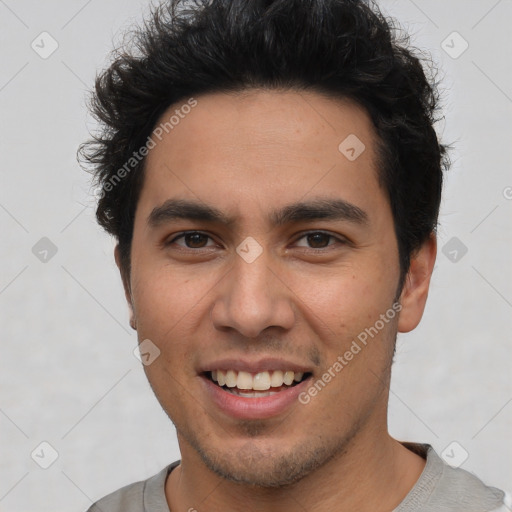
x=339 y=48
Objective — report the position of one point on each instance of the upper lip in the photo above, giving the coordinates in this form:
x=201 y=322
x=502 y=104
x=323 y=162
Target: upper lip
x=243 y=365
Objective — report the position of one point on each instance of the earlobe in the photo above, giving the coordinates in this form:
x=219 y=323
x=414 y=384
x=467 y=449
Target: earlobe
x=126 y=286
x=415 y=291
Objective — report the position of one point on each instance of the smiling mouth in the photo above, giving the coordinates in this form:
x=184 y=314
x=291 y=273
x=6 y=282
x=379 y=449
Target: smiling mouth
x=255 y=385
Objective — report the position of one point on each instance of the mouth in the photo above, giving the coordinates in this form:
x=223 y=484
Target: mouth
x=256 y=385
x=253 y=390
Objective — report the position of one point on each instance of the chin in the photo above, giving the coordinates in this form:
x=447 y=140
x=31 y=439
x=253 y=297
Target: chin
x=267 y=466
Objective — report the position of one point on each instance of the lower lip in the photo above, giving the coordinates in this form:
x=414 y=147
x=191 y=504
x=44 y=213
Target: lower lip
x=248 y=408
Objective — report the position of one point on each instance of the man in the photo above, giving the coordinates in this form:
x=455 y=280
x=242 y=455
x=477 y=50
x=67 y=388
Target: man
x=273 y=178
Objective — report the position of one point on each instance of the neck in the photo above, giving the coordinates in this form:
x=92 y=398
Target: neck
x=375 y=472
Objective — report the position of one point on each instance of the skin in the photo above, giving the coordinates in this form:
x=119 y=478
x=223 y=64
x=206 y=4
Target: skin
x=247 y=154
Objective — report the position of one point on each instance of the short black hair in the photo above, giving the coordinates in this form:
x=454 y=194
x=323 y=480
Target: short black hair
x=344 y=49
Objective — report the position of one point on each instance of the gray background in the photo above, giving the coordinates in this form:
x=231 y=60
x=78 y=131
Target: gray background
x=68 y=374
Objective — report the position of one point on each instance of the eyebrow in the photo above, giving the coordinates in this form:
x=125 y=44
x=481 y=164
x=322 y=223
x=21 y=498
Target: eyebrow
x=322 y=208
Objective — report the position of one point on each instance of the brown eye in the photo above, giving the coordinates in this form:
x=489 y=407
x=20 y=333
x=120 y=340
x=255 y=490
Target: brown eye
x=195 y=240
x=192 y=240
x=318 y=240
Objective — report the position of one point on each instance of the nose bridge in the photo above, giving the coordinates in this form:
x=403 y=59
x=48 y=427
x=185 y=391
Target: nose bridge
x=252 y=278
x=252 y=298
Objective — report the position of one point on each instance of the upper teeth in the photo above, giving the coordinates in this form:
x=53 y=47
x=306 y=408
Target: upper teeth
x=259 y=381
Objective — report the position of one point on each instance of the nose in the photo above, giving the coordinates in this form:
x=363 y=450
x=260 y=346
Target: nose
x=251 y=298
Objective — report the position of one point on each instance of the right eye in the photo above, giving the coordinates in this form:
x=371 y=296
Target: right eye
x=192 y=240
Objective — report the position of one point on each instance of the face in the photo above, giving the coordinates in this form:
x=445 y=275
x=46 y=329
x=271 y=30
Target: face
x=262 y=246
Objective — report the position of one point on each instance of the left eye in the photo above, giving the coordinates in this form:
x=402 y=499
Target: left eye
x=318 y=239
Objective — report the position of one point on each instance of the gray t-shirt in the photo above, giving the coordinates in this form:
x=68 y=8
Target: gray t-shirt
x=440 y=488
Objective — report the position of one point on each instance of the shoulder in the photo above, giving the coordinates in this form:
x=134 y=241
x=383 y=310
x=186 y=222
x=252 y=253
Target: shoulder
x=442 y=487
x=134 y=497
x=460 y=488
x=128 y=499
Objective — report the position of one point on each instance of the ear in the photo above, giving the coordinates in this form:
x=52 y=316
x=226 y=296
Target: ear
x=415 y=290
x=126 y=286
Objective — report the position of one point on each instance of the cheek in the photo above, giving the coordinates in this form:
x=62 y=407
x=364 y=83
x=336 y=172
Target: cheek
x=164 y=301
x=345 y=300
x=164 y=305
x=164 y=295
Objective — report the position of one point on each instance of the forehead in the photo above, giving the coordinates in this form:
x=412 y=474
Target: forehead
x=262 y=147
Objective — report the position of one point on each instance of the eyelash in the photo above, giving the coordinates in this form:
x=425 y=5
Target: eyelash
x=304 y=235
